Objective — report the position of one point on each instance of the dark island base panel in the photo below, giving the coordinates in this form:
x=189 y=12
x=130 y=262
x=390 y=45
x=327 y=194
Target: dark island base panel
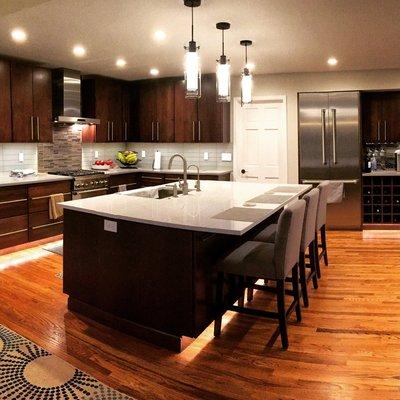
x=153 y=282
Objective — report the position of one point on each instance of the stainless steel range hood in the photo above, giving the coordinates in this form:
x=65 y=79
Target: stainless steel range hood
x=67 y=98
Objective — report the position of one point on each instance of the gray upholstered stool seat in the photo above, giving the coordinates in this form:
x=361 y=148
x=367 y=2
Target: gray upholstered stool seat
x=272 y=261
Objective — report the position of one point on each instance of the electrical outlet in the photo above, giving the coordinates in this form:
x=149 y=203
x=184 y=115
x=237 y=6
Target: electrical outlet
x=21 y=156
x=226 y=156
x=110 y=226
x=96 y=154
x=205 y=155
x=143 y=154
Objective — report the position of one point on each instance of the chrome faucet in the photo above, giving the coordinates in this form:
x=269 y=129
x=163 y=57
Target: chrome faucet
x=184 y=186
x=197 y=186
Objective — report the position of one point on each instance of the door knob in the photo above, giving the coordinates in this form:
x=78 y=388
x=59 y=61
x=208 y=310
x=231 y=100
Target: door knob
x=243 y=171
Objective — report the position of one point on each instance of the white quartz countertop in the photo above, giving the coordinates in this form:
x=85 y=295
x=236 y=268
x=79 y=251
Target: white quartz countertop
x=192 y=171
x=7 y=180
x=197 y=210
x=386 y=172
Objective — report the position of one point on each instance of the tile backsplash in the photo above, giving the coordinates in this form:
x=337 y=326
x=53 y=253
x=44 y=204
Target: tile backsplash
x=105 y=151
x=9 y=153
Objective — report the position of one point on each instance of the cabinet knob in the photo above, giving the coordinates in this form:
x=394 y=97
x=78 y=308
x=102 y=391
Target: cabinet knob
x=243 y=171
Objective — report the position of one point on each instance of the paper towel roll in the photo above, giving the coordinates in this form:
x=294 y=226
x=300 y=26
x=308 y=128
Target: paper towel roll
x=157 y=160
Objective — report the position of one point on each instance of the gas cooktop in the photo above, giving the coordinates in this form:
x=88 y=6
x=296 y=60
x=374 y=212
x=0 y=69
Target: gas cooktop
x=76 y=172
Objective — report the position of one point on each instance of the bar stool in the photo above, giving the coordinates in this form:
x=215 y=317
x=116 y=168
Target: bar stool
x=308 y=242
x=272 y=261
x=323 y=188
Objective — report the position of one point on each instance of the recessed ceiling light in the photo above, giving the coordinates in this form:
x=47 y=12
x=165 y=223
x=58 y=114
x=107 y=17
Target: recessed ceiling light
x=79 y=51
x=159 y=35
x=332 y=61
x=154 y=71
x=18 y=35
x=120 y=63
x=250 y=65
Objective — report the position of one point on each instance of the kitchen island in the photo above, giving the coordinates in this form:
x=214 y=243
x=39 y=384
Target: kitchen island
x=147 y=266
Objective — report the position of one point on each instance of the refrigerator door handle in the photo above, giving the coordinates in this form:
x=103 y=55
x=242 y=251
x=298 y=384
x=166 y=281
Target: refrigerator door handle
x=334 y=135
x=323 y=131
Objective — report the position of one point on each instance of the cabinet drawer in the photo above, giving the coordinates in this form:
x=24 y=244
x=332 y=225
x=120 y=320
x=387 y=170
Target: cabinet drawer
x=13 y=201
x=152 y=179
x=13 y=239
x=41 y=218
x=53 y=228
x=123 y=179
x=13 y=224
x=39 y=194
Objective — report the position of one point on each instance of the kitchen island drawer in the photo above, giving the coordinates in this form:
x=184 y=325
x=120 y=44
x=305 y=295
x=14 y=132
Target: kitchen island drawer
x=13 y=201
x=39 y=194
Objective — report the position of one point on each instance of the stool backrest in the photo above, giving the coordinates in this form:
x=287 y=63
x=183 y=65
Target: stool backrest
x=310 y=218
x=323 y=188
x=288 y=238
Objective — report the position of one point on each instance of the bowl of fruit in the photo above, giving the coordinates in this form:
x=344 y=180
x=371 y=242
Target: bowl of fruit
x=127 y=158
x=103 y=164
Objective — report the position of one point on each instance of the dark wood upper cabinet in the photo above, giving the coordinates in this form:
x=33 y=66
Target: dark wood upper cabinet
x=23 y=121
x=42 y=104
x=381 y=116
x=31 y=98
x=102 y=99
x=156 y=111
x=213 y=118
x=186 y=120
x=5 y=102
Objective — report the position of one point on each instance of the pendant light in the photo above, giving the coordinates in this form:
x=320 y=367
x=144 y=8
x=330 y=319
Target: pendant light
x=223 y=69
x=247 y=79
x=192 y=61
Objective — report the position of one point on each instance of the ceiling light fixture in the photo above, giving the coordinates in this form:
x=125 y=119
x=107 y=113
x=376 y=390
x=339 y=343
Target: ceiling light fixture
x=223 y=69
x=192 y=61
x=79 y=51
x=159 y=36
x=18 y=35
x=247 y=79
x=120 y=63
x=332 y=61
x=154 y=71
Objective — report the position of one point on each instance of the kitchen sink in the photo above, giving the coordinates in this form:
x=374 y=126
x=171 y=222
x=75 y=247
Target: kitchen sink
x=157 y=193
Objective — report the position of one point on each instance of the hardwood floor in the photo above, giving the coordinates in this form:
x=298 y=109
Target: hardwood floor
x=346 y=347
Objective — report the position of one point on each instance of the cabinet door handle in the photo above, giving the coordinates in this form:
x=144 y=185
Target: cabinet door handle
x=193 y=131
x=379 y=130
x=38 y=128
x=152 y=131
x=108 y=131
x=323 y=128
x=112 y=130
x=385 y=130
x=32 y=138
x=126 y=131
x=199 y=127
x=158 y=131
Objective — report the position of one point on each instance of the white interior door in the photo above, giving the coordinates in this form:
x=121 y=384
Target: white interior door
x=260 y=153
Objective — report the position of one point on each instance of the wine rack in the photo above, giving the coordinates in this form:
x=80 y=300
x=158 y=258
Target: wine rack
x=381 y=199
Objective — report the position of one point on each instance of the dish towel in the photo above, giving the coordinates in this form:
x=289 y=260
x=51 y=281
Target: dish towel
x=336 y=192
x=121 y=188
x=55 y=211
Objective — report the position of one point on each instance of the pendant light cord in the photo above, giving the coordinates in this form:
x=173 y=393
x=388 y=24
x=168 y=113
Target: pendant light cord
x=223 y=42
x=192 y=24
x=246 y=53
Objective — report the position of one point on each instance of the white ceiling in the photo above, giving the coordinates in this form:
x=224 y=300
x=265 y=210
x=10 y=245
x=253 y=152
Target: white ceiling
x=288 y=35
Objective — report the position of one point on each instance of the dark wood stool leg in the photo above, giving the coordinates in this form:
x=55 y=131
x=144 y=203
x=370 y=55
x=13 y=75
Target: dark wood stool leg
x=280 y=294
x=313 y=264
x=250 y=294
x=303 y=279
x=323 y=242
x=243 y=290
x=219 y=304
x=316 y=255
x=296 y=292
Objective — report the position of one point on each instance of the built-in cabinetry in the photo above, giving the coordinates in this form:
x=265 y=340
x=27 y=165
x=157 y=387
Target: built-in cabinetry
x=24 y=212
x=381 y=116
x=381 y=199
x=165 y=115
x=5 y=102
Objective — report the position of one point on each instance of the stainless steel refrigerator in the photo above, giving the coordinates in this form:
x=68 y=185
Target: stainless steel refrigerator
x=330 y=148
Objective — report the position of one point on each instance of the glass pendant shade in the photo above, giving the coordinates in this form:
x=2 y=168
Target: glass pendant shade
x=247 y=87
x=192 y=74
x=223 y=82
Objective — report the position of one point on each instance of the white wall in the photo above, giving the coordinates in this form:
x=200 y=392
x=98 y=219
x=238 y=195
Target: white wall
x=291 y=84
